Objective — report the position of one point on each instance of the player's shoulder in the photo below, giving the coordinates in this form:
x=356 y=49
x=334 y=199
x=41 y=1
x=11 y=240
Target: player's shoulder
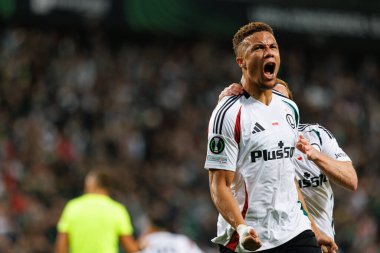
x=315 y=127
x=186 y=242
x=228 y=106
x=229 y=101
x=286 y=100
x=304 y=127
x=279 y=94
x=75 y=203
x=77 y=200
x=282 y=96
x=117 y=205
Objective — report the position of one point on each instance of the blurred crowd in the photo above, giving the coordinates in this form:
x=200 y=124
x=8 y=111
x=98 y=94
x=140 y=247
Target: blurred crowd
x=140 y=105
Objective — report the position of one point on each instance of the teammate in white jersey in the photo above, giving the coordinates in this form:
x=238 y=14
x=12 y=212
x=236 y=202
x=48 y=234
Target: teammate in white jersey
x=157 y=238
x=314 y=173
x=166 y=242
x=320 y=161
x=252 y=137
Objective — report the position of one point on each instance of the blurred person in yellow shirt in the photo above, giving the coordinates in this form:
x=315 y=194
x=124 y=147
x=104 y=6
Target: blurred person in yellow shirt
x=94 y=222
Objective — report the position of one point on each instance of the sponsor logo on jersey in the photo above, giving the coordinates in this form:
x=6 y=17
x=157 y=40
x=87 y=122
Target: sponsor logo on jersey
x=308 y=181
x=216 y=145
x=290 y=120
x=266 y=155
x=258 y=128
x=217 y=159
x=340 y=155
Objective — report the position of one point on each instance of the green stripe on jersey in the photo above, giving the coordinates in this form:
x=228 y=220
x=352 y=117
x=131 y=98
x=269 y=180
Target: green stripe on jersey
x=318 y=134
x=303 y=210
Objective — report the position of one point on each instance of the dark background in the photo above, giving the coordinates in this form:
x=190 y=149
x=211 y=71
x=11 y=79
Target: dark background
x=131 y=85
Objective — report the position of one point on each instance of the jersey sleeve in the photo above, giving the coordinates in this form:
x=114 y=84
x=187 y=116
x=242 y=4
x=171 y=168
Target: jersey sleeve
x=331 y=147
x=63 y=225
x=313 y=135
x=125 y=225
x=222 y=148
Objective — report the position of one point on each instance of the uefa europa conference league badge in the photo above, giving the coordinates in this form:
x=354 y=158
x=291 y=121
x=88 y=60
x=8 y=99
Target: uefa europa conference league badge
x=216 y=145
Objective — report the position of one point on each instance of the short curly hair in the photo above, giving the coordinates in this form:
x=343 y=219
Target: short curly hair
x=248 y=30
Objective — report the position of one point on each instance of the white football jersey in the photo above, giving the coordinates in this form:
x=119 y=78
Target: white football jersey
x=166 y=242
x=257 y=141
x=314 y=185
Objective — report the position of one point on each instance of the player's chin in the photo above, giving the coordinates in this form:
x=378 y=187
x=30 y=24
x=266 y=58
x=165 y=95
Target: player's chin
x=268 y=85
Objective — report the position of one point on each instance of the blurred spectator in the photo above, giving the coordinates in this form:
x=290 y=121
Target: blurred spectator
x=94 y=222
x=70 y=101
x=157 y=236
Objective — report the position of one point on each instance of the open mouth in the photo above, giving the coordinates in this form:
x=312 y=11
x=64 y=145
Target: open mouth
x=269 y=69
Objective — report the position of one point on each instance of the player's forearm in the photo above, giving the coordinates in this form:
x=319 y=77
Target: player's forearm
x=341 y=173
x=61 y=244
x=225 y=202
x=129 y=244
x=227 y=206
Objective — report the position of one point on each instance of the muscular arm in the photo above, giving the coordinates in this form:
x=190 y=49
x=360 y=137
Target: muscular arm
x=340 y=172
x=128 y=243
x=61 y=243
x=220 y=182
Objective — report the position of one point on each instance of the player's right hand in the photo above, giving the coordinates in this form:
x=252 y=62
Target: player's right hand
x=248 y=237
x=304 y=146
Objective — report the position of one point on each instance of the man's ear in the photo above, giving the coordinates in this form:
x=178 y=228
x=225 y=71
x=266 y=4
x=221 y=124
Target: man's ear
x=240 y=61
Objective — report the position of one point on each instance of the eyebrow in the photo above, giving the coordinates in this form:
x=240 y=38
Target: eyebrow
x=262 y=43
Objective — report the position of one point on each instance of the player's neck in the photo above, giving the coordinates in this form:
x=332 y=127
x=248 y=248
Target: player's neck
x=98 y=191
x=264 y=96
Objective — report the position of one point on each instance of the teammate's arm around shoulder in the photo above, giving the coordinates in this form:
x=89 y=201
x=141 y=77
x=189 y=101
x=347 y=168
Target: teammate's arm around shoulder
x=220 y=182
x=231 y=90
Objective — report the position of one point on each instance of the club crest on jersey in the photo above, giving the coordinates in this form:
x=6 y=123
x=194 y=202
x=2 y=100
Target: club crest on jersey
x=216 y=145
x=290 y=120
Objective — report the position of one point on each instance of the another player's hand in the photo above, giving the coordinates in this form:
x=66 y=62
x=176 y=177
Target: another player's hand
x=304 y=146
x=327 y=243
x=232 y=90
x=248 y=237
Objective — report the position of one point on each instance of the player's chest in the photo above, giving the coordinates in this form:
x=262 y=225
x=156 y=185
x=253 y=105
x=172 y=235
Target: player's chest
x=270 y=128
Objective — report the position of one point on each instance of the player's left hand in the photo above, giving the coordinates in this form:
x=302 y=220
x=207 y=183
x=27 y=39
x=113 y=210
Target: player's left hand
x=232 y=90
x=327 y=243
x=304 y=146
